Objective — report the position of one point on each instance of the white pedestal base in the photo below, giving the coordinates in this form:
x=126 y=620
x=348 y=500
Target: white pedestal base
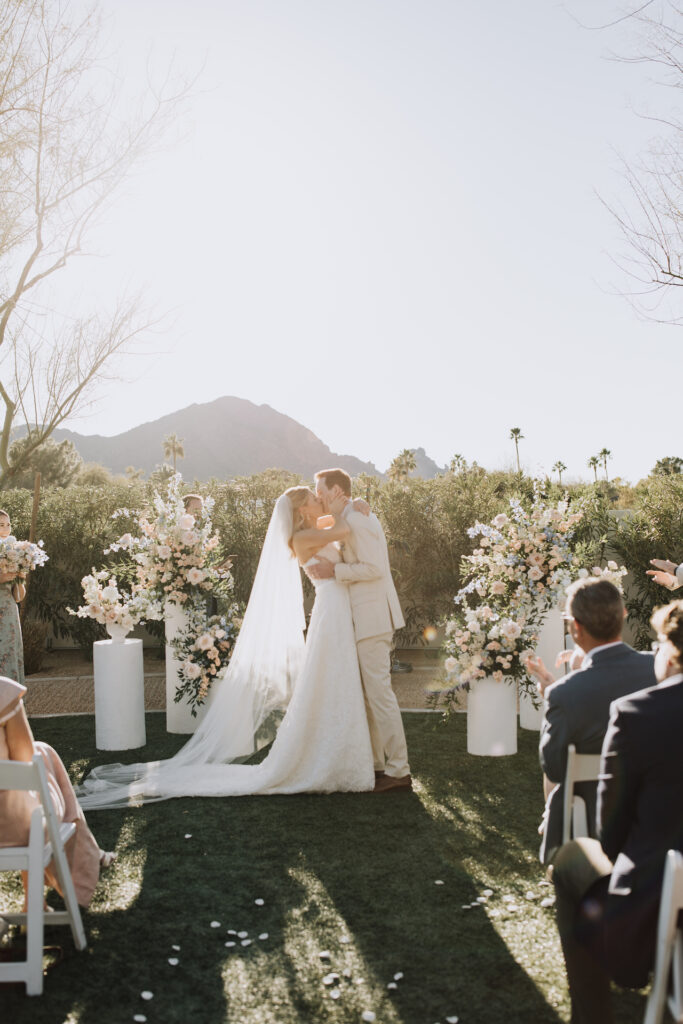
x=179 y=718
x=119 y=695
x=492 y=718
x=550 y=643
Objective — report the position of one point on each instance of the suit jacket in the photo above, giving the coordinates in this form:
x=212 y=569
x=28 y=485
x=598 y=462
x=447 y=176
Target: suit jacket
x=640 y=817
x=365 y=567
x=577 y=711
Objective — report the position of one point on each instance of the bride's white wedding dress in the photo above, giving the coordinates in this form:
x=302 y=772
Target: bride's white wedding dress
x=322 y=745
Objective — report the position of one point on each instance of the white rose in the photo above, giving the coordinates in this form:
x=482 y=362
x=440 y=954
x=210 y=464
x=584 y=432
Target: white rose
x=164 y=551
x=204 y=642
x=612 y=566
x=195 y=575
x=450 y=664
x=186 y=522
x=191 y=670
x=110 y=594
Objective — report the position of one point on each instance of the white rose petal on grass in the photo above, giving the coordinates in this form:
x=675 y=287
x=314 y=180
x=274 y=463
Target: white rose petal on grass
x=177 y=948
x=188 y=835
x=392 y=985
x=147 y=995
x=263 y=936
x=324 y=955
x=398 y=975
x=482 y=899
x=173 y=961
x=452 y=1020
x=229 y=945
x=548 y=901
x=369 y=1016
x=347 y=972
x=466 y=906
x=231 y=931
x=494 y=913
x=487 y=892
x=335 y=993
x=345 y=939
x=439 y=882
x=259 y=902
x=140 y=1018
x=530 y=895
x=242 y=935
x=215 y=924
x=246 y=942
x=508 y=898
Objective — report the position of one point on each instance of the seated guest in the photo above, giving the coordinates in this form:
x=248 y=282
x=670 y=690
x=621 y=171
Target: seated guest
x=194 y=504
x=17 y=744
x=577 y=708
x=666 y=573
x=608 y=891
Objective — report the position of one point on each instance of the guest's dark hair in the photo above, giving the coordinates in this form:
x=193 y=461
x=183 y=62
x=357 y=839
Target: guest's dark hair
x=668 y=621
x=598 y=606
x=336 y=478
x=187 y=498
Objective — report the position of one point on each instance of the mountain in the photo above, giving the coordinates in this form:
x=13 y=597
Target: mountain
x=424 y=466
x=225 y=438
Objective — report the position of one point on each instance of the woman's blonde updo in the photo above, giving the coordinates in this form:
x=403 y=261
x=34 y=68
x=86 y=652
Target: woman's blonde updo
x=668 y=622
x=298 y=497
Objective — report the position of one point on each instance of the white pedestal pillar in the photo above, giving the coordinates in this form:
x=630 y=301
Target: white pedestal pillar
x=492 y=718
x=119 y=695
x=550 y=643
x=179 y=718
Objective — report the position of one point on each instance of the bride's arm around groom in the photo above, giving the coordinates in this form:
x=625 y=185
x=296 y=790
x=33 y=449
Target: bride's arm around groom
x=376 y=614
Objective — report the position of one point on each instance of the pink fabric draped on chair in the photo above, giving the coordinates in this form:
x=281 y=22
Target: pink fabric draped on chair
x=17 y=744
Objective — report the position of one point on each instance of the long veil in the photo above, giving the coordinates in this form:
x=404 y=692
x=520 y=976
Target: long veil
x=249 y=699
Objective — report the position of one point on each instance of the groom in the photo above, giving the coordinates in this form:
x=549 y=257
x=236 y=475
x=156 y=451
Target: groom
x=376 y=614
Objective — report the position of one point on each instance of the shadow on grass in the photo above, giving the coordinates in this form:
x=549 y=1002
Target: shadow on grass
x=356 y=867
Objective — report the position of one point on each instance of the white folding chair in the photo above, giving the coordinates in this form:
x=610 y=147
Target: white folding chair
x=669 y=948
x=580 y=768
x=47 y=837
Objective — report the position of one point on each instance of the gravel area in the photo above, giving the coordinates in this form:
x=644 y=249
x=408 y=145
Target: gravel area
x=64 y=685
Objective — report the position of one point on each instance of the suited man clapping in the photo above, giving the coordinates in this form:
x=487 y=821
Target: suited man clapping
x=608 y=891
x=577 y=709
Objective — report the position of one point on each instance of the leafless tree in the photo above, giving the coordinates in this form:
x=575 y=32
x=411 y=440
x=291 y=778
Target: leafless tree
x=651 y=221
x=68 y=138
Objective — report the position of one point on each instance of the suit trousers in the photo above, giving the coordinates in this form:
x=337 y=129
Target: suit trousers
x=581 y=872
x=389 y=749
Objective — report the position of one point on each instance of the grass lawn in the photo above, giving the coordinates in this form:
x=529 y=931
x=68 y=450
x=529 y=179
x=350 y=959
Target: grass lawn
x=352 y=875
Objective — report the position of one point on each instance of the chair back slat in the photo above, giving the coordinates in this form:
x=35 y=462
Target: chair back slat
x=21 y=775
x=580 y=768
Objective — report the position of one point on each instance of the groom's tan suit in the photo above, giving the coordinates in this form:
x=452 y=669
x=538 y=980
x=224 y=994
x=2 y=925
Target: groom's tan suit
x=376 y=614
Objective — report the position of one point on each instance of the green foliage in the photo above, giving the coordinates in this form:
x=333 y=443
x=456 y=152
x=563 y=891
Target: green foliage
x=425 y=521
x=653 y=529
x=670 y=465
x=58 y=463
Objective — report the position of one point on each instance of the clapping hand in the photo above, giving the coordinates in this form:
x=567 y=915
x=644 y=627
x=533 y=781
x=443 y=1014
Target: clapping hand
x=537 y=670
x=664 y=573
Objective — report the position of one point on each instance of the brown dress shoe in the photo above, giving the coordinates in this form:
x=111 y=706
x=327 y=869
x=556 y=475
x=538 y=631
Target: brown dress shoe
x=379 y=774
x=389 y=783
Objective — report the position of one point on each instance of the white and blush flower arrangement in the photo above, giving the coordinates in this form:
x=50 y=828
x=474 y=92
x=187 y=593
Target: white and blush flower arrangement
x=203 y=650
x=175 y=553
x=522 y=564
x=110 y=605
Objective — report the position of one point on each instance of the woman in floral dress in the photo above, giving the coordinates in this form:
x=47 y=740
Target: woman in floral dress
x=11 y=644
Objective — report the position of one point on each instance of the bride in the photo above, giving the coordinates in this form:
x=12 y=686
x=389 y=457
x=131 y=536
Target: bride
x=323 y=742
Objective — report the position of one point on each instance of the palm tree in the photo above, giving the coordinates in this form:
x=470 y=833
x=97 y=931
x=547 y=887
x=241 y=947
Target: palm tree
x=402 y=466
x=173 y=448
x=593 y=464
x=516 y=435
x=604 y=454
x=458 y=463
x=559 y=468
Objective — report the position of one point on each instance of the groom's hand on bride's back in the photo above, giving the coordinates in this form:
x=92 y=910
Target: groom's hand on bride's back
x=361 y=505
x=323 y=569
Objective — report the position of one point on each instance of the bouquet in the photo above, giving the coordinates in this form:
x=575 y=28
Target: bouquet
x=203 y=650
x=111 y=606
x=20 y=556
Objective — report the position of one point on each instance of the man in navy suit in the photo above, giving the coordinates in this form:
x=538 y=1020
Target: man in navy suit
x=577 y=709
x=608 y=891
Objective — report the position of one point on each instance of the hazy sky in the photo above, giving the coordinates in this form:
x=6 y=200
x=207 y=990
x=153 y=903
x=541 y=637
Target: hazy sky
x=381 y=219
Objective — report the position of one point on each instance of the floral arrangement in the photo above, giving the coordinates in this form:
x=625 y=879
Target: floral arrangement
x=612 y=572
x=20 y=556
x=175 y=553
x=521 y=566
x=203 y=650
x=111 y=606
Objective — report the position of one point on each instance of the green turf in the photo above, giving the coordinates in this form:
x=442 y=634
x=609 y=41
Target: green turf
x=328 y=868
